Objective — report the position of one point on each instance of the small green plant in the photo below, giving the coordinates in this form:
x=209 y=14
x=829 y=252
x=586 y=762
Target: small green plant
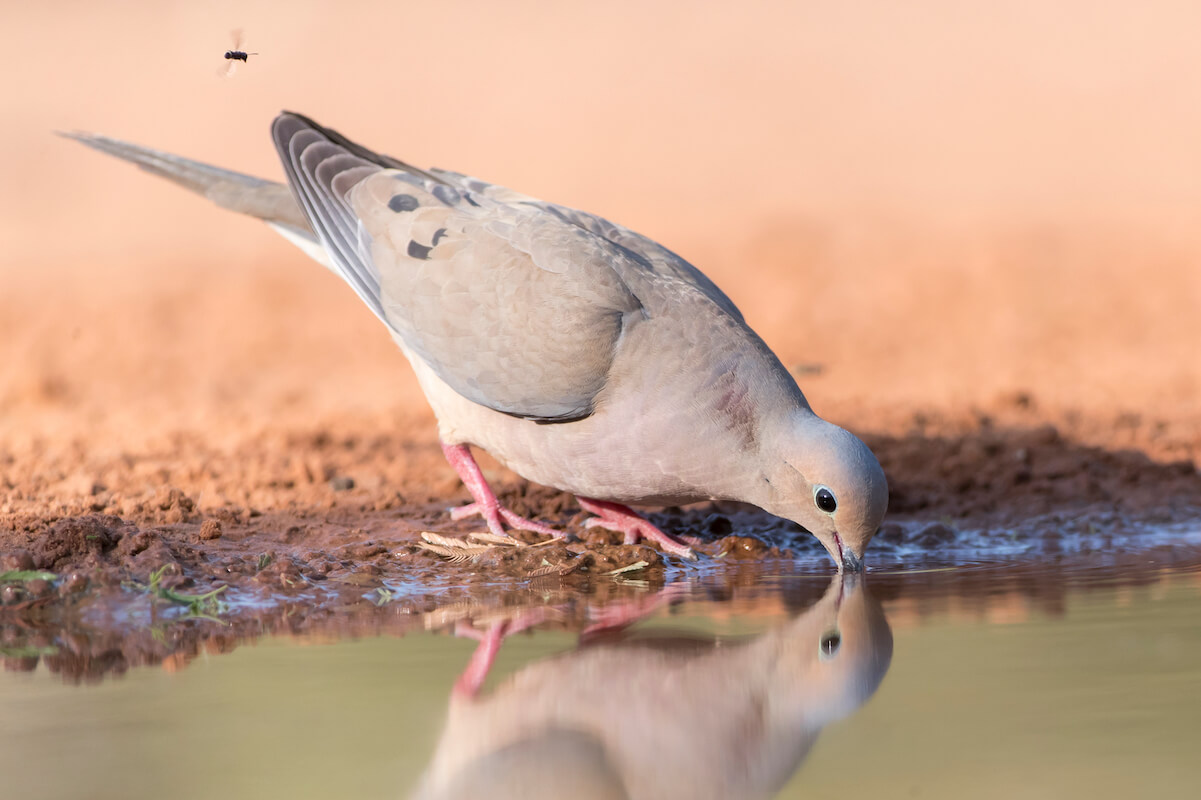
x=23 y=575
x=200 y=605
x=383 y=596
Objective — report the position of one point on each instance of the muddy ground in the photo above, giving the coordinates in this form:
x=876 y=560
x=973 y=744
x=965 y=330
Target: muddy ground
x=318 y=533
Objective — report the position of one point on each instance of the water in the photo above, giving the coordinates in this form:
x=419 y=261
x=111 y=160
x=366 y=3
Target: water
x=1083 y=680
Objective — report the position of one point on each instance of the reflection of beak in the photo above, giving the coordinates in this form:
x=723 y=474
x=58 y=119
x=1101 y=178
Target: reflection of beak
x=842 y=591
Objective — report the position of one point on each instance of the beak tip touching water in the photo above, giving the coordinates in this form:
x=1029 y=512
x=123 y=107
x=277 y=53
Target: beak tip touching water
x=844 y=557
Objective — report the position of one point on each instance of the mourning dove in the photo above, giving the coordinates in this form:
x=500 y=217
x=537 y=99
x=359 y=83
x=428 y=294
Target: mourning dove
x=580 y=354
x=668 y=716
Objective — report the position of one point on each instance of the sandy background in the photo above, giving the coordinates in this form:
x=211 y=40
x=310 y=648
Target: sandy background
x=943 y=206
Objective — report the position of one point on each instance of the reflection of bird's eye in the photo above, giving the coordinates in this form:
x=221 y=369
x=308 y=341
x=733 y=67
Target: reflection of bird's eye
x=829 y=644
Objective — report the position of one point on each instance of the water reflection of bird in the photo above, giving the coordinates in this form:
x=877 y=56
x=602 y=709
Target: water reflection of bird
x=579 y=353
x=667 y=717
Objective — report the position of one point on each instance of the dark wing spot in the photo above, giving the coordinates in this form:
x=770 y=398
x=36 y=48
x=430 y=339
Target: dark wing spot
x=446 y=194
x=471 y=200
x=419 y=251
x=439 y=235
x=403 y=202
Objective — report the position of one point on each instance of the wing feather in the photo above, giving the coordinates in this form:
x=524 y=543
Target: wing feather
x=510 y=306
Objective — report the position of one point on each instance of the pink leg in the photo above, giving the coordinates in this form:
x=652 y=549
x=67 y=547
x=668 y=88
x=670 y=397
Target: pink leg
x=473 y=677
x=616 y=517
x=486 y=504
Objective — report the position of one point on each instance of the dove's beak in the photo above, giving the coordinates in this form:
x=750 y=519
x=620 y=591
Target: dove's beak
x=844 y=557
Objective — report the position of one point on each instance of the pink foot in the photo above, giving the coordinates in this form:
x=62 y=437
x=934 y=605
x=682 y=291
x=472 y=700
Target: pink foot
x=616 y=517
x=486 y=504
x=476 y=672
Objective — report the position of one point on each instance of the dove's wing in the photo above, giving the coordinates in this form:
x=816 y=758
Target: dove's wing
x=649 y=253
x=513 y=306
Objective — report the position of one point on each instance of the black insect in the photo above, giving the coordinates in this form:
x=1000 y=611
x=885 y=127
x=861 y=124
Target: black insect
x=232 y=57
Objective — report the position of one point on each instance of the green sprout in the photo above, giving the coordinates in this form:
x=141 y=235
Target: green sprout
x=23 y=575
x=199 y=605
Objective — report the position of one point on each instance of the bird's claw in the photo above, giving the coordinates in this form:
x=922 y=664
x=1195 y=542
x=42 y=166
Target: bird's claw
x=616 y=517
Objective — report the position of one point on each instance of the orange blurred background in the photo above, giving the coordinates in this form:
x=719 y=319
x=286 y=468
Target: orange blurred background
x=937 y=202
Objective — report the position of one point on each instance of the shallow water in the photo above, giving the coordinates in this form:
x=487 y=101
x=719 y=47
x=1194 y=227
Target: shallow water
x=1077 y=680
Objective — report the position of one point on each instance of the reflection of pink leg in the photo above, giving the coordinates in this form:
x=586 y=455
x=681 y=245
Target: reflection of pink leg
x=616 y=517
x=469 y=683
x=486 y=504
x=473 y=677
x=616 y=616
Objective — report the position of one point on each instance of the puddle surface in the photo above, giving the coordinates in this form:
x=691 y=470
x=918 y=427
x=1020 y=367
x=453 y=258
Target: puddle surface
x=1069 y=676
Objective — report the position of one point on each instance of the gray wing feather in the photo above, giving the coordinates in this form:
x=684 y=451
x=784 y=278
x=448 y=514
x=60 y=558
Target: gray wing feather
x=644 y=251
x=312 y=164
x=512 y=308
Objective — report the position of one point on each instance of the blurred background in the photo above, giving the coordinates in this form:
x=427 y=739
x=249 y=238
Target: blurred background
x=920 y=206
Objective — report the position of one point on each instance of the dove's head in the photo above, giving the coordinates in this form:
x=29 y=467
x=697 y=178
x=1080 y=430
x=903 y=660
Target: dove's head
x=826 y=480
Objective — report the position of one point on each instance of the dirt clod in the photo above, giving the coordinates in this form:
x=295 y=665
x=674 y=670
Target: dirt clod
x=79 y=540
x=736 y=547
x=210 y=529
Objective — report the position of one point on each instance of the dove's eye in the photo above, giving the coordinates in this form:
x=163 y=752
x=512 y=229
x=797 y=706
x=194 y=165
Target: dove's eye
x=825 y=500
x=829 y=643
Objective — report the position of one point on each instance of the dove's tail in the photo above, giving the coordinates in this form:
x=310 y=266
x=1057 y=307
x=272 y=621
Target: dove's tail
x=271 y=202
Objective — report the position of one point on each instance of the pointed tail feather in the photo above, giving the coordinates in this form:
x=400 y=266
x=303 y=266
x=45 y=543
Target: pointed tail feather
x=269 y=201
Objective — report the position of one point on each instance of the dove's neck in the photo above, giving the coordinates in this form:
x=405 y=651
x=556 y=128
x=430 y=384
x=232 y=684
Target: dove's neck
x=779 y=484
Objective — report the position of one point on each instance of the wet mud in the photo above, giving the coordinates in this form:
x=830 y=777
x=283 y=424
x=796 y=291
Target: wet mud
x=114 y=561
